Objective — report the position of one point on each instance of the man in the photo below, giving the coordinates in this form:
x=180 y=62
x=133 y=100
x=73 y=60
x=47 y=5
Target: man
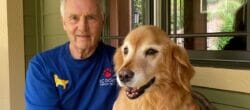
x=77 y=75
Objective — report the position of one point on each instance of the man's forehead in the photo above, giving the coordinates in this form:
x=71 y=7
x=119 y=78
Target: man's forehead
x=84 y=4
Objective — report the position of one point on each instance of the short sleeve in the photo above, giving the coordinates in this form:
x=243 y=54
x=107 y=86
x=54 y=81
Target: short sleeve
x=40 y=90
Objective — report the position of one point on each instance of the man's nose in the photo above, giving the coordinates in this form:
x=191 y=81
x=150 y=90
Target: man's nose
x=83 y=25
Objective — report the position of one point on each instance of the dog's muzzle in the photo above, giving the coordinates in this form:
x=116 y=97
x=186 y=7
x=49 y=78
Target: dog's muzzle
x=133 y=93
x=125 y=75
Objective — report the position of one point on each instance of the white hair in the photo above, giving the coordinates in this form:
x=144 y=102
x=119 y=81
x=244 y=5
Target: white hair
x=62 y=7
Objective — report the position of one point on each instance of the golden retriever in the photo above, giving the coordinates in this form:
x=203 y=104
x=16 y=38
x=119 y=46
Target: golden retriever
x=153 y=72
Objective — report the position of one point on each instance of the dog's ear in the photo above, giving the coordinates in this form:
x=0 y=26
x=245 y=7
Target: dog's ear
x=183 y=69
x=118 y=59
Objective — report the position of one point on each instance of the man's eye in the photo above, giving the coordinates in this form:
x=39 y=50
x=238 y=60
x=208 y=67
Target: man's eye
x=90 y=17
x=151 y=52
x=75 y=18
x=125 y=51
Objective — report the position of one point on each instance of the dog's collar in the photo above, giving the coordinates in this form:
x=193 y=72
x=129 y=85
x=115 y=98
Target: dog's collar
x=142 y=89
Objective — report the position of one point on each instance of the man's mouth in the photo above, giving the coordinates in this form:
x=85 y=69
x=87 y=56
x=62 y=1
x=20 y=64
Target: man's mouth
x=133 y=93
x=83 y=36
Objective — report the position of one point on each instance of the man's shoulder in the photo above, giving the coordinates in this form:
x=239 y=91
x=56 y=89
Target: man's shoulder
x=108 y=48
x=55 y=49
x=50 y=53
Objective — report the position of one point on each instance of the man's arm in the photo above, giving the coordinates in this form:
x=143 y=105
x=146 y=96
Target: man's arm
x=40 y=90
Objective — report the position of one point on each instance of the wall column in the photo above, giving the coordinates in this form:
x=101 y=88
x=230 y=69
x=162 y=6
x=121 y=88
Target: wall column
x=12 y=69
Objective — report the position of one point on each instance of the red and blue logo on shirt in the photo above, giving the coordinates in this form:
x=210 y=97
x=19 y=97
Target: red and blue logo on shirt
x=107 y=72
x=108 y=78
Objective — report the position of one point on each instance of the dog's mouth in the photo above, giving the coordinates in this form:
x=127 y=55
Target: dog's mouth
x=133 y=93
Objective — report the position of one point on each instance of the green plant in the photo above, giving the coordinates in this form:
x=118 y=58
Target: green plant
x=179 y=14
x=138 y=6
x=227 y=15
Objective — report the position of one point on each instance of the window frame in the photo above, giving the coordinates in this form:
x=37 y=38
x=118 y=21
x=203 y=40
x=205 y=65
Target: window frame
x=224 y=59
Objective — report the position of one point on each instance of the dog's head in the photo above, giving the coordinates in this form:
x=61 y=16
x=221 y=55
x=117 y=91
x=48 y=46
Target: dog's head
x=148 y=57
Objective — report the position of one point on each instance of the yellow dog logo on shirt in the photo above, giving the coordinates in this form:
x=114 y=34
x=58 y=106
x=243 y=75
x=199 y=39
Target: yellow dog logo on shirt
x=60 y=82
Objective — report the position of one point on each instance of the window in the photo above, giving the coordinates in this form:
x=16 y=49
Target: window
x=124 y=15
x=142 y=12
x=215 y=32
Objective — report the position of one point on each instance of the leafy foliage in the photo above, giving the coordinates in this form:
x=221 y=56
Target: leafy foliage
x=138 y=7
x=226 y=13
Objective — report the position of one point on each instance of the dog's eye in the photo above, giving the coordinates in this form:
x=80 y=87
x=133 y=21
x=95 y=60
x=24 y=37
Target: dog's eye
x=151 y=52
x=125 y=50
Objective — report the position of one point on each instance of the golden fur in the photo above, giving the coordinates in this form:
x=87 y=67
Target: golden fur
x=170 y=66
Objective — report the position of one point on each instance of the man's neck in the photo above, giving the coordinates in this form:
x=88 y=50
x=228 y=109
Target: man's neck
x=80 y=53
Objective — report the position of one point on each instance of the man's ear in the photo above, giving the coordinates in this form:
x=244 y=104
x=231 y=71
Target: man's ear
x=183 y=69
x=63 y=23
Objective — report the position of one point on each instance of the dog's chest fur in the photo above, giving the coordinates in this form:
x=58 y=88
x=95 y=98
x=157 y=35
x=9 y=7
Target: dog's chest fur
x=156 y=100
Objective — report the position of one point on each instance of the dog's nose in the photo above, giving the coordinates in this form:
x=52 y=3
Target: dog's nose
x=125 y=75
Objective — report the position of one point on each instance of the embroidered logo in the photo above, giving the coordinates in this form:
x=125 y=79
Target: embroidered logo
x=60 y=82
x=107 y=72
x=108 y=78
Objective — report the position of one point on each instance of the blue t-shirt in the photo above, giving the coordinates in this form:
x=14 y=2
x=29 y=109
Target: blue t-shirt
x=56 y=81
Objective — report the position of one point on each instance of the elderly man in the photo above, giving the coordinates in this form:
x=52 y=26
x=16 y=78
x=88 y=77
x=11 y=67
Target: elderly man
x=77 y=75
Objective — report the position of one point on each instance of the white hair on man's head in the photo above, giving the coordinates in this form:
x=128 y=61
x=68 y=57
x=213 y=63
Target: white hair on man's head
x=62 y=7
x=62 y=3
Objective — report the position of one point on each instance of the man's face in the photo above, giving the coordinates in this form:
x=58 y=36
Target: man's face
x=83 y=23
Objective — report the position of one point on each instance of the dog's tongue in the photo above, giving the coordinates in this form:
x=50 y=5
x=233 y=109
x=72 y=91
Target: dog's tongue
x=131 y=89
